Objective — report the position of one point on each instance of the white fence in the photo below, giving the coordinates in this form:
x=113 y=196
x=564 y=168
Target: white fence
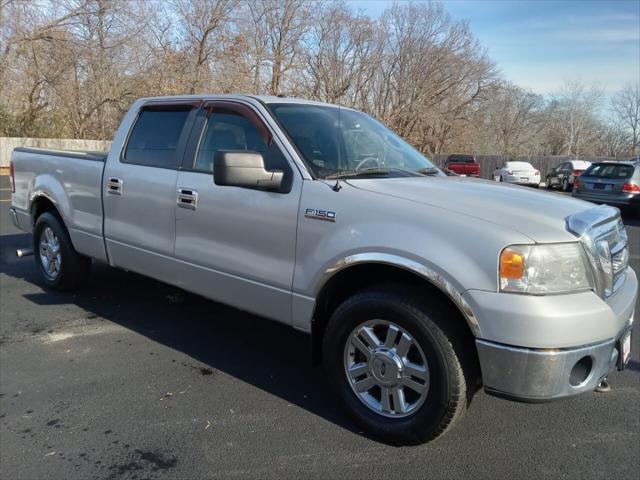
x=7 y=144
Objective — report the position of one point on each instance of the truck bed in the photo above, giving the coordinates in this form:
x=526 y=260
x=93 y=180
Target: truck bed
x=81 y=154
x=74 y=180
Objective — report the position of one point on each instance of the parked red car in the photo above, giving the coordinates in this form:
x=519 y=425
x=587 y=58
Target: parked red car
x=463 y=165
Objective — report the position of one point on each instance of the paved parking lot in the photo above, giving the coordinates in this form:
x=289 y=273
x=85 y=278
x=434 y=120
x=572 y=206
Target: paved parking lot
x=130 y=378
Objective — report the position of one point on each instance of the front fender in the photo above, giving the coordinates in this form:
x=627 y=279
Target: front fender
x=437 y=278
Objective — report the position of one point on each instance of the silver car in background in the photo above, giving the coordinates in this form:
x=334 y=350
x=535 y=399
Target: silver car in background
x=613 y=183
x=521 y=173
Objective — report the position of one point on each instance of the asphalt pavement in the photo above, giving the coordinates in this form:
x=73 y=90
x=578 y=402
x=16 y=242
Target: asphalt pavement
x=129 y=378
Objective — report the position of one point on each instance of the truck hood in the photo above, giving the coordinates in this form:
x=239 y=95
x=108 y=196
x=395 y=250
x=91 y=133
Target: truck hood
x=537 y=214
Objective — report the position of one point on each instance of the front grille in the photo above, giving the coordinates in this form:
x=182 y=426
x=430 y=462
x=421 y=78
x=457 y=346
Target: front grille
x=619 y=257
x=603 y=235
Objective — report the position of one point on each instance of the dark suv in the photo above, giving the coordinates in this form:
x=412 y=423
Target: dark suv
x=613 y=183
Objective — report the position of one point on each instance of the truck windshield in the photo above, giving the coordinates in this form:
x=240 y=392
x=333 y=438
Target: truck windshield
x=346 y=143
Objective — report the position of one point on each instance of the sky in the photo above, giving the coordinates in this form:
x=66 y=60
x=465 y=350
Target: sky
x=540 y=44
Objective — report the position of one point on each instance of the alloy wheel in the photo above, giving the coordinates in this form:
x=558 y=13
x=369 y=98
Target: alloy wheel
x=386 y=368
x=50 y=255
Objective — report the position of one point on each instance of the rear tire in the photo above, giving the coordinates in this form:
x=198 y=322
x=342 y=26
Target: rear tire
x=429 y=326
x=60 y=266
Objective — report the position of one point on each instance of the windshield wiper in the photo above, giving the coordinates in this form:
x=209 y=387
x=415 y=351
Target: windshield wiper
x=429 y=171
x=365 y=172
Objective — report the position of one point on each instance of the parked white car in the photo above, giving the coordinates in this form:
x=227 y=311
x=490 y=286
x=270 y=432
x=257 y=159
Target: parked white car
x=522 y=173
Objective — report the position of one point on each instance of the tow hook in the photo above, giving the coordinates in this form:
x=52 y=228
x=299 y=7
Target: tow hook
x=603 y=386
x=24 y=252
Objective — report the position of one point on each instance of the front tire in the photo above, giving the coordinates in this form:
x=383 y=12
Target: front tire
x=391 y=359
x=565 y=184
x=60 y=266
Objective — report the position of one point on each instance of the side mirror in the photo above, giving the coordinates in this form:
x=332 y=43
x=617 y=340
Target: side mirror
x=554 y=169
x=244 y=169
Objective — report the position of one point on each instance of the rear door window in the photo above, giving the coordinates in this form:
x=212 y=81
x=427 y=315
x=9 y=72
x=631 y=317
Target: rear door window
x=155 y=137
x=608 y=170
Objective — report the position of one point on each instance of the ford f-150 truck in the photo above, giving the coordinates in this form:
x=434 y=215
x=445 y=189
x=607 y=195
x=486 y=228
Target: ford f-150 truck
x=417 y=288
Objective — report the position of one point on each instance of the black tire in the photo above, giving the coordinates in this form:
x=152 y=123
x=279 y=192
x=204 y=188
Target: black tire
x=501 y=178
x=434 y=327
x=565 y=184
x=74 y=268
x=549 y=187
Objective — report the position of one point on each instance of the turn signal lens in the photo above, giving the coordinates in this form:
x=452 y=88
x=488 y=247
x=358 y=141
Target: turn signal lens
x=511 y=264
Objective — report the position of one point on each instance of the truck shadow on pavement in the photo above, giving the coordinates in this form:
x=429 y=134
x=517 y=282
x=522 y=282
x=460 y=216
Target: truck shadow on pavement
x=271 y=356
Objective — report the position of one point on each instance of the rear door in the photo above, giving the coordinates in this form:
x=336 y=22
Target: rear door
x=236 y=245
x=140 y=189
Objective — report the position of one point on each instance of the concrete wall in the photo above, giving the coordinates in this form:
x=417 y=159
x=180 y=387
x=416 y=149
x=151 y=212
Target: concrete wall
x=7 y=144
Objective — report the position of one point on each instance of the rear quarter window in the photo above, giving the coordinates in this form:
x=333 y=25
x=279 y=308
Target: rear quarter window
x=155 y=136
x=608 y=170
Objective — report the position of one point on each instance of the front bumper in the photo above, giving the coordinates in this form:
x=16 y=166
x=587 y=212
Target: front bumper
x=529 y=344
x=530 y=375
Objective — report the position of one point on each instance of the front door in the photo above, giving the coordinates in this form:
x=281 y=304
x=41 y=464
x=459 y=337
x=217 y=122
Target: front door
x=237 y=244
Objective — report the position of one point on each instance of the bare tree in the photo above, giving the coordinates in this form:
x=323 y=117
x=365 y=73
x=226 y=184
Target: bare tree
x=286 y=23
x=573 y=115
x=344 y=53
x=201 y=21
x=513 y=118
x=73 y=67
x=614 y=140
x=626 y=107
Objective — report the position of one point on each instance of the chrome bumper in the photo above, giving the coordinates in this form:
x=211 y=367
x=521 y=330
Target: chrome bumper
x=14 y=218
x=537 y=375
x=20 y=220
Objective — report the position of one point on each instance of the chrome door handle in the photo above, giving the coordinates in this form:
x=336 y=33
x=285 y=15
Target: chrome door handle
x=187 y=198
x=114 y=186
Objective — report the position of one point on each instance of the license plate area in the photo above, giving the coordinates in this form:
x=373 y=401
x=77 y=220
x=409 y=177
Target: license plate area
x=624 y=349
x=602 y=186
x=524 y=179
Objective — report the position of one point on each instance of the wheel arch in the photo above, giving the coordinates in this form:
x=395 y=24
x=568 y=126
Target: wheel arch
x=361 y=271
x=41 y=202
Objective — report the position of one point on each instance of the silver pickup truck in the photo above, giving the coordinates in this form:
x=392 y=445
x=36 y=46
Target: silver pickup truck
x=417 y=288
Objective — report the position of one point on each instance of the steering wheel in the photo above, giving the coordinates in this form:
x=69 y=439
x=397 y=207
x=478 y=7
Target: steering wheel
x=367 y=160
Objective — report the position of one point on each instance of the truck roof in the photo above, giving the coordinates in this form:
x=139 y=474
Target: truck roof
x=239 y=96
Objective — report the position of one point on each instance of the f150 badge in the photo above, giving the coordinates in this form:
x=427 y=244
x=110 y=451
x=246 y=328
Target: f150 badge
x=320 y=214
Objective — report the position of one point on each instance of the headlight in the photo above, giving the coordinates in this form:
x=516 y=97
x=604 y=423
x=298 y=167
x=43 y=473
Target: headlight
x=543 y=269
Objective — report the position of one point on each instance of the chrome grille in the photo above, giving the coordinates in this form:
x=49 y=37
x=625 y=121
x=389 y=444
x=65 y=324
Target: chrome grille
x=603 y=235
x=619 y=257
